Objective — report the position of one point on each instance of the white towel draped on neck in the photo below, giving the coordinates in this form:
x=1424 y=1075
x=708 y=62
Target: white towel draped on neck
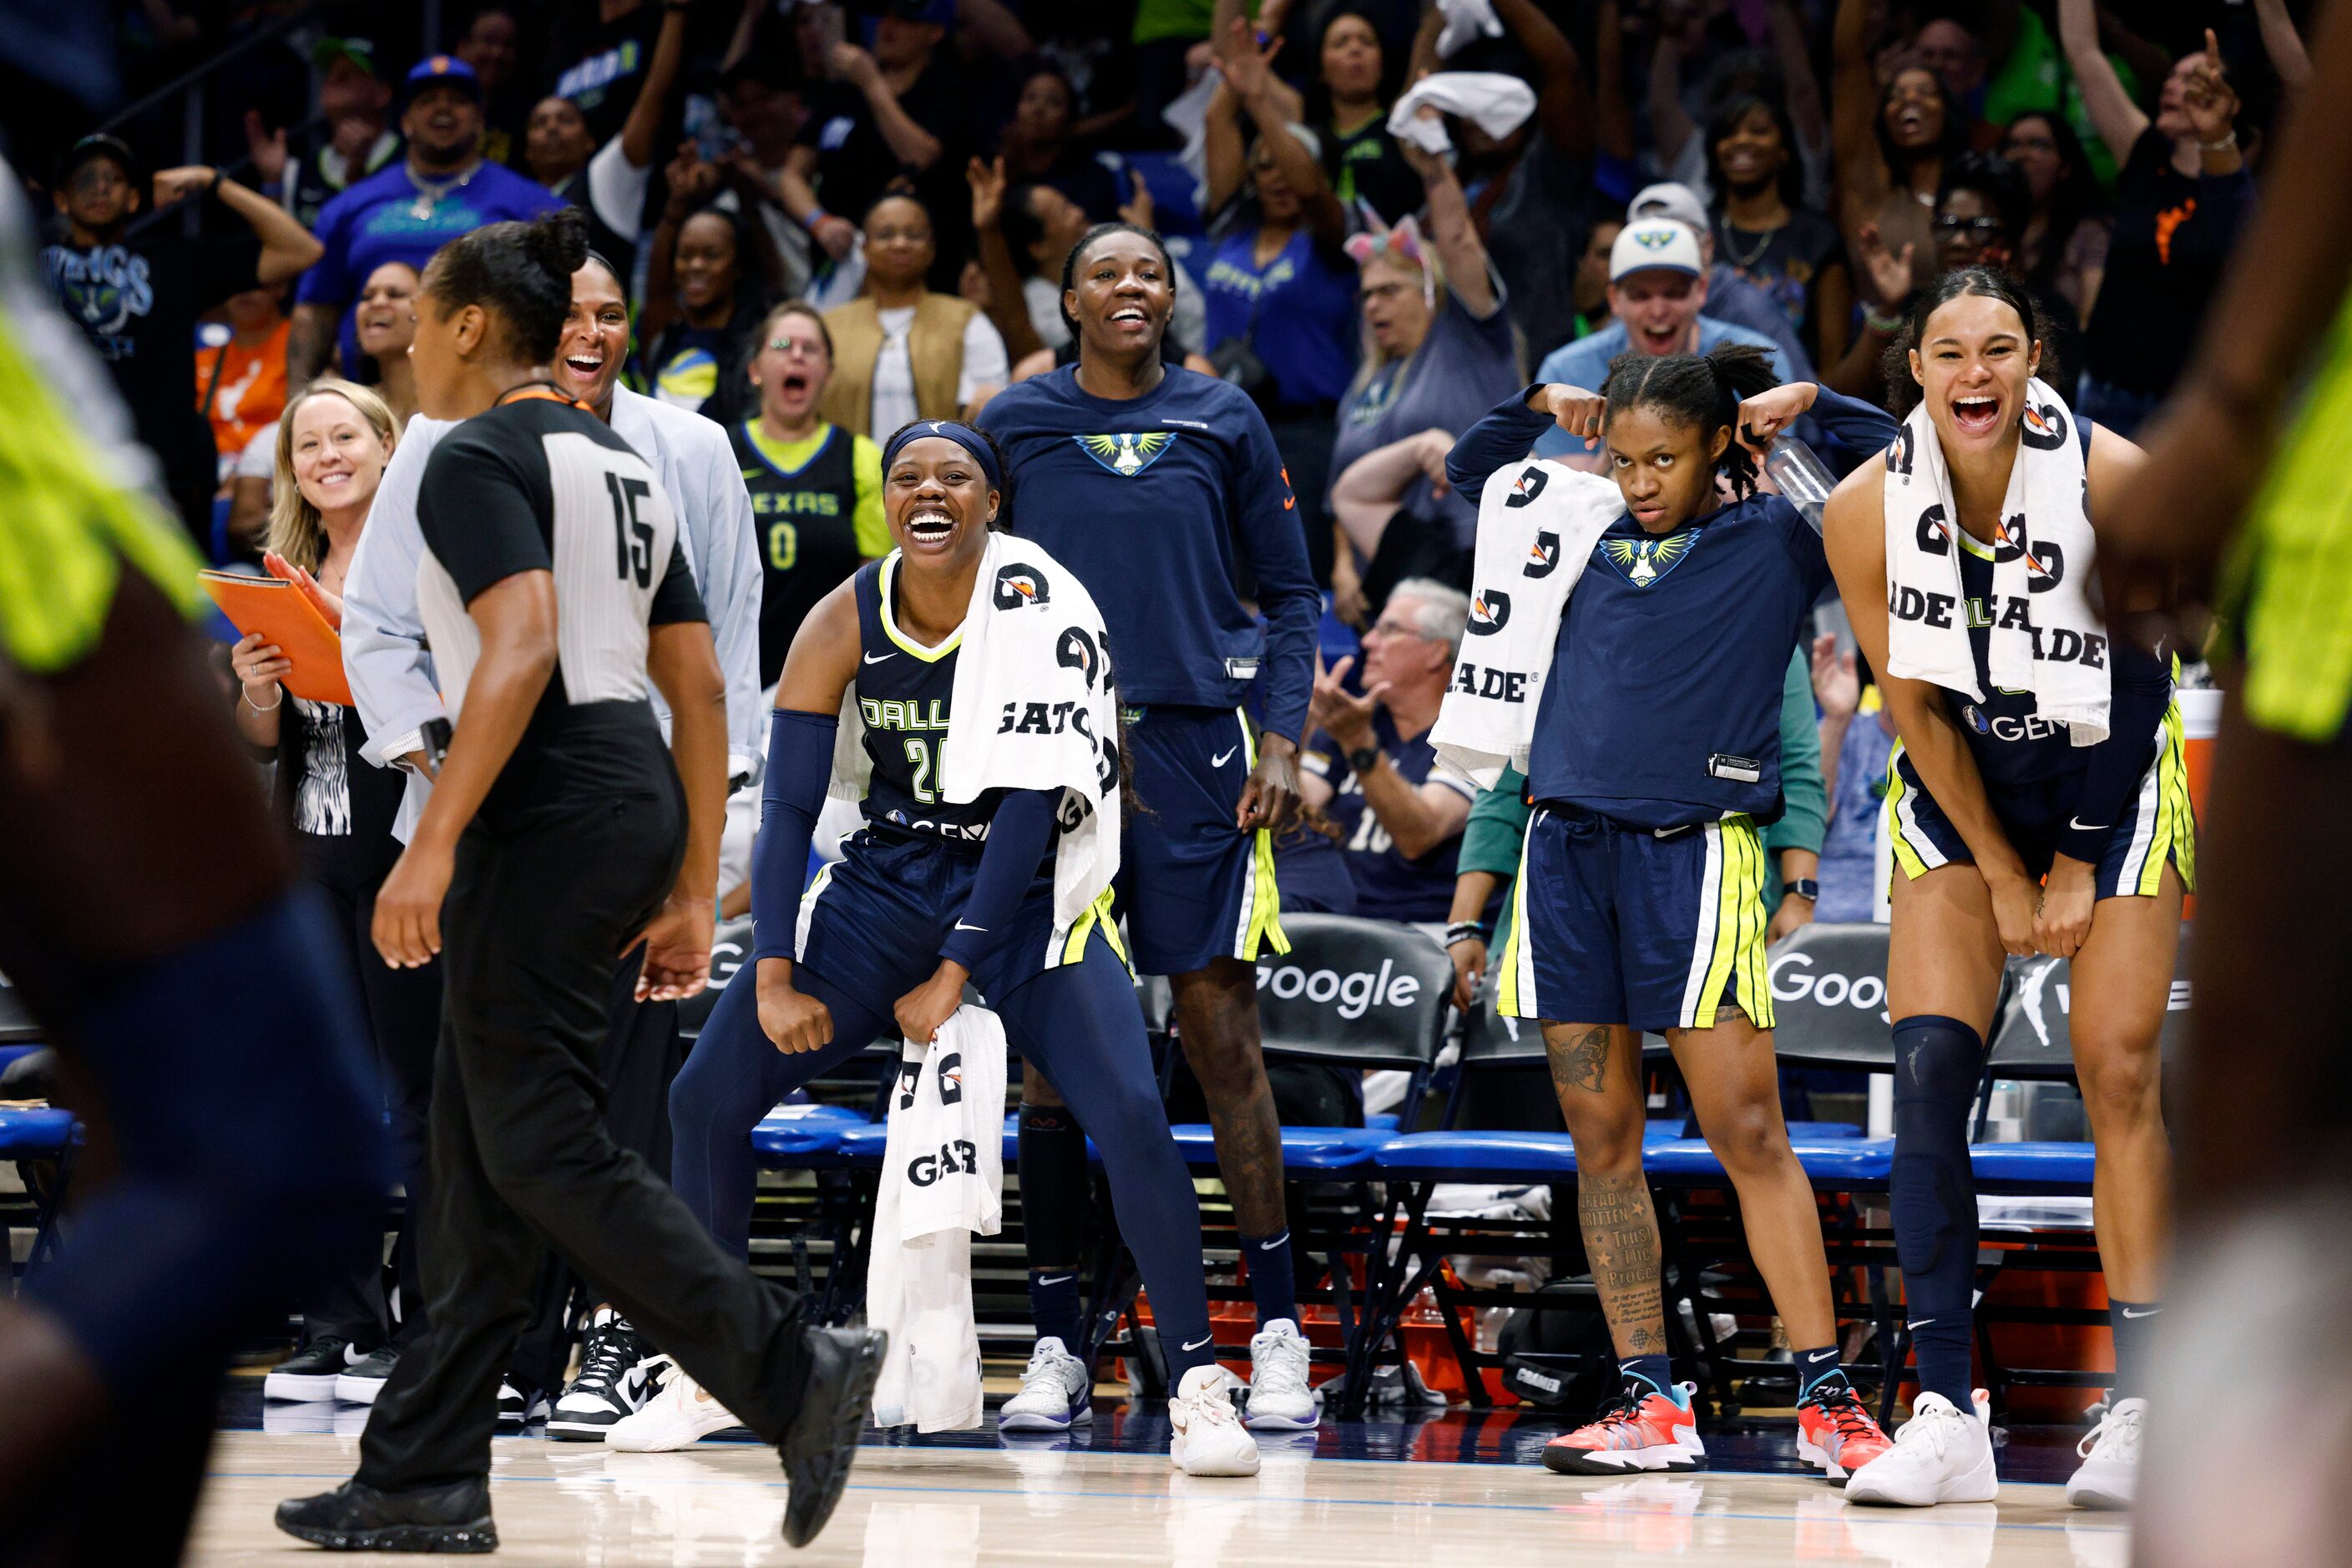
x=2044 y=637
x=1536 y=533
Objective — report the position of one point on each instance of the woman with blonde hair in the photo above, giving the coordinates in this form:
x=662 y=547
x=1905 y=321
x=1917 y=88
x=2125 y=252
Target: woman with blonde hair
x=332 y=445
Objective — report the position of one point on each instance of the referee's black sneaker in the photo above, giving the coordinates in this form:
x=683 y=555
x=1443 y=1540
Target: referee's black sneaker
x=356 y=1517
x=822 y=1441
x=612 y=1382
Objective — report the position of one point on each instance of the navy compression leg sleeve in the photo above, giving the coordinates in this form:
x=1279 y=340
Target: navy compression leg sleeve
x=1938 y=1064
x=1081 y=1024
x=1054 y=1186
x=733 y=1076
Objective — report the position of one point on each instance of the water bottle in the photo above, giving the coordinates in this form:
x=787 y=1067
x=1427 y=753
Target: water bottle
x=1800 y=476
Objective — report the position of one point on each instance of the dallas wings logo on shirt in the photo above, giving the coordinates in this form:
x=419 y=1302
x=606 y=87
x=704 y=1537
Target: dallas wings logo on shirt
x=1643 y=561
x=1129 y=453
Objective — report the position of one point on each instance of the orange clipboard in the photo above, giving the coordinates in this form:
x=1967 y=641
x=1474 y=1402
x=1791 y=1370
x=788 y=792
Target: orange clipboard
x=280 y=611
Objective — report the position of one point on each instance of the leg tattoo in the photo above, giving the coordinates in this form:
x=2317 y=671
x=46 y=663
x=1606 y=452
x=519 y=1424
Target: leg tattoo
x=1578 y=1063
x=1621 y=1239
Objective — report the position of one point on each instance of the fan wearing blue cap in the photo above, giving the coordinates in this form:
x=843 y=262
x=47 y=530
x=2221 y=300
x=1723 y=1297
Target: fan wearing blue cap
x=442 y=189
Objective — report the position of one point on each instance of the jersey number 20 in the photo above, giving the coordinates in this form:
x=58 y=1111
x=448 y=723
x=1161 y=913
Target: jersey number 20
x=633 y=539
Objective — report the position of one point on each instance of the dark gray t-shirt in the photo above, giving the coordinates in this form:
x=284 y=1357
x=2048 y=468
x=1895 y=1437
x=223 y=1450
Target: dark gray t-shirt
x=1463 y=368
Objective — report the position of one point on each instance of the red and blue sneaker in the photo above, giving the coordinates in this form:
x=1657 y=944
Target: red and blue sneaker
x=1644 y=1429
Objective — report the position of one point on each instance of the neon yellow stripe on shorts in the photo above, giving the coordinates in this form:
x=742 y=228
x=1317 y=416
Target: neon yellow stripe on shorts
x=2176 y=818
x=1510 y=1001
x=1098 y=918
x=1738 y=935
x=1262 y=901
x=66 y=527
x=1890 y=821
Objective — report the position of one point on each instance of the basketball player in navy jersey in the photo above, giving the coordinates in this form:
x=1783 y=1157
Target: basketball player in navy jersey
x=929 y=894
x=1162 y=489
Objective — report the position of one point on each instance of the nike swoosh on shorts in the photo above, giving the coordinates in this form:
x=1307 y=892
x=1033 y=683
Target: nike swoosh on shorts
x=1221 y=758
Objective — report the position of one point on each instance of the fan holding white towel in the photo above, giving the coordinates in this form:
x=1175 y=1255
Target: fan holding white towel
x=2044 y=637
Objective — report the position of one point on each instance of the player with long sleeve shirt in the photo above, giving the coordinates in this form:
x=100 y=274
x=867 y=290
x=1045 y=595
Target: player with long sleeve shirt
x=393 y=683
x=1162 y=489
x=1638 y=902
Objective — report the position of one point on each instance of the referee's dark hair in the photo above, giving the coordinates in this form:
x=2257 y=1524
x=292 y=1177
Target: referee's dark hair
x=520 y=272
x=1994 y=283
x=1698 y=390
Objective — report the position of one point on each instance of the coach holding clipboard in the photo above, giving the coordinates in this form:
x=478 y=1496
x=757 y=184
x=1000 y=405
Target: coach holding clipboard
x=394 y=682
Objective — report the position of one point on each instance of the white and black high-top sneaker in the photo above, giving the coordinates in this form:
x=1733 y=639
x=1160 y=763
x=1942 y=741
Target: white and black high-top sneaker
x=612 y=1382
x=311 y=1374
x=518 y=1406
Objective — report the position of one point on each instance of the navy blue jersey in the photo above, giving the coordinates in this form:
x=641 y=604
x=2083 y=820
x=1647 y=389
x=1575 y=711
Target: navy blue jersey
x=2011 y=742
x=903 y=690
x=1388 y=883
x=1663 y=704
x=1161 y=504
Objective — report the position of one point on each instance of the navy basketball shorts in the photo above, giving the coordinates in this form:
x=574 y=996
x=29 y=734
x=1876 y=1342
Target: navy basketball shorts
x=873 y=922
x=1614 y=924
x=1191 y=886
x=2156 y=827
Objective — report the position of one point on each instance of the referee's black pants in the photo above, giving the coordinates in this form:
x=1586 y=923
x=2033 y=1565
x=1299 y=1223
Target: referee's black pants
x=520 y=1162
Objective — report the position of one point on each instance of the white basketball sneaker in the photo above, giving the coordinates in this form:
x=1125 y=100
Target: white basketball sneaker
x=1939 y=1456
x=1210 y=1439
x=1279 y=1398
x=678 y=1416
x=2110 y=1469
x=1056 y=1392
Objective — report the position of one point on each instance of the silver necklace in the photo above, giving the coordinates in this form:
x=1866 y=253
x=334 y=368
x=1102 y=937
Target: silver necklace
x=1742 y=263
x=430 y=192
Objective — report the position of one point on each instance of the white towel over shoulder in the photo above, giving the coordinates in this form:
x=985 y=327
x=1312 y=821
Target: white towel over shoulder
x=2045 y=637
x=1536 y=533
x=942 y=1180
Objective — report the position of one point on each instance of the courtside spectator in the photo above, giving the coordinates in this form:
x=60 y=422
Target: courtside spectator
x=1026 y=233
x=1730 y=298
x=1891 y=141
x=901 y=112
x=1857 y=737
x=357 y=139
x=137 y=299
x=1365 y=499
x=603 y=55
x=1438 y=348
x=241 y=378
x=760 y=98
x=1657 y=296
x=1764 y=232
x=1369 y=768
x=902 y=352
x=1040 y=144
x=2065 y=248
x=491 y=44
x=705 y=290
x=443 y=188
x=2182 y=197
x=385 y=322
x=609 y=183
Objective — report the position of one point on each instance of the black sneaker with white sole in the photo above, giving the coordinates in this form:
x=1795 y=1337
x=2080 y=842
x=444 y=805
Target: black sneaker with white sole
x=364 y=1380
x=613 y=1381
x=312 y=1374
x=518 y=1407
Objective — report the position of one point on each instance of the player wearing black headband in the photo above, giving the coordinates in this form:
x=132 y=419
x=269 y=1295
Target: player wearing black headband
x=929 y=894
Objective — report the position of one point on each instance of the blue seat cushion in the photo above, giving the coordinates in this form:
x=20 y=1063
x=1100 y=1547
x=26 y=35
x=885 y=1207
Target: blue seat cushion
x=792 y=1132
x=1536 y=1155
x=2034 y=1167
x=1837 y=1163
x=1834 y=1163
x=1318 y=1150
x=35 y=1134
x=11 y=1053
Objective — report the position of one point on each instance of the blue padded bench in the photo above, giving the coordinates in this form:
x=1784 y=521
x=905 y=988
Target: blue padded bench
x=790 y=1134
x=44 y=1133
x=1831 y=1151
x=9 y=1054
x=1306 y=1151
x=2033 y=1169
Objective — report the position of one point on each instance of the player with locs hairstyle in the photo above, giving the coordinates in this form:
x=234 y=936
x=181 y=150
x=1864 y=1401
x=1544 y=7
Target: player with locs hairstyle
x=2012 y=836
x=1159 y=487
x=1638 y=905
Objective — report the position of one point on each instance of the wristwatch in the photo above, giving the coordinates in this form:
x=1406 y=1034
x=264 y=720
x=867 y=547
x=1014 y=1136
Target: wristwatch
x=1804 y=887
x=1362 y=759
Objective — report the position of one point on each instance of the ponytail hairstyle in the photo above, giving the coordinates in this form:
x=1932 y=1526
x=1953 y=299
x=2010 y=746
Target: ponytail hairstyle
x=1994 y=283
x=1699 y=390
x=1086 y=243
x=519 y=272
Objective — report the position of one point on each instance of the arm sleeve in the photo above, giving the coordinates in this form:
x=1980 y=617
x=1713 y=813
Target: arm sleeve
x=1804 y=814
x=799 y=765
x=2142 y=692
x=1501 y=438
x=1018 y=836
x=1497 y=823
x=475 y=509
x=676 y=598
x=1864 y=427
x=1275 y=543
x=873 y=529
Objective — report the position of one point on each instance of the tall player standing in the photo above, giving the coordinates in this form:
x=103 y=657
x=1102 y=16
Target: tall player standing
x=1160 y=488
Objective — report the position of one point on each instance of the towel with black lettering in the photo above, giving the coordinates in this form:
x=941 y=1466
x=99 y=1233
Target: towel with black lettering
x=1535 y=535
x=942 y=1181
x=2044 y=637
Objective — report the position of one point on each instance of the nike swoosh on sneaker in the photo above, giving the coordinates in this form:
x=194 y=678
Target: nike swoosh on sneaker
x=878 y=658
x=2079 y=826
x=1203 y=1339
x=1221 y=758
